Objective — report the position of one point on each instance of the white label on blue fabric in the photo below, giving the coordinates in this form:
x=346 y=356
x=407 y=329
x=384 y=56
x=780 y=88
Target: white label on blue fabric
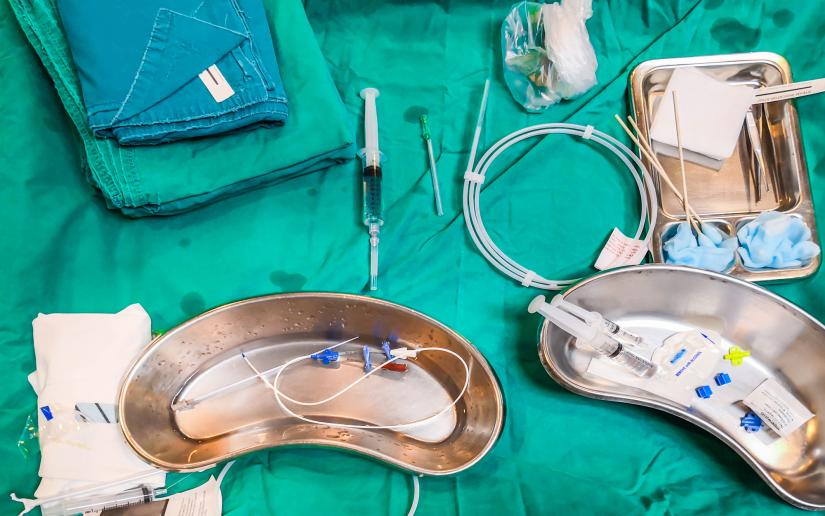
x=777 y=407
x=620 y=250
x=216 y=83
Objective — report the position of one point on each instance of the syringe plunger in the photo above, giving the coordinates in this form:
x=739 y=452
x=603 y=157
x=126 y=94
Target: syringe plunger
x=370 y=152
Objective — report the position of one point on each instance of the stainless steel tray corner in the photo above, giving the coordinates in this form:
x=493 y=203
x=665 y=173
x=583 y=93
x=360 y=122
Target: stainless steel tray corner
x=203 y=356
x=725 y=197
x=785 y=341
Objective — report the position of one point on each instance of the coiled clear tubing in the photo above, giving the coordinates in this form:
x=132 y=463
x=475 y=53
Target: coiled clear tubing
x=472 y=191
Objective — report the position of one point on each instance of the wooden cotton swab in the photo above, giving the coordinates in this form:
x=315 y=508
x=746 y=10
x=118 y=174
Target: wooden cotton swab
x=651 y=154
x=682 y=163
x=651 y=157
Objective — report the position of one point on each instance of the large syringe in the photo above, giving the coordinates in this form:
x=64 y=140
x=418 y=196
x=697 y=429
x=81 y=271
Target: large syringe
x=371 y=157
x=595 y=332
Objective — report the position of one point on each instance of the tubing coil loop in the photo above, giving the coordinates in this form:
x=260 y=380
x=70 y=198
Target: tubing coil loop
x=475 y=178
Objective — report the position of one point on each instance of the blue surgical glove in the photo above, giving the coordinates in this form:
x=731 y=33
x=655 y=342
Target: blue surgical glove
x=712 y=251
x=776 y=240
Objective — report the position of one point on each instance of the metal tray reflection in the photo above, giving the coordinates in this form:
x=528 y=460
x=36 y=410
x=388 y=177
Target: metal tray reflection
x=726 y=197
x=657 y=300
x=203 y=355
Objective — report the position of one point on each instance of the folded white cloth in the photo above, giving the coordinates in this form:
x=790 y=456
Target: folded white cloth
x=711 y=117
x=82 y=358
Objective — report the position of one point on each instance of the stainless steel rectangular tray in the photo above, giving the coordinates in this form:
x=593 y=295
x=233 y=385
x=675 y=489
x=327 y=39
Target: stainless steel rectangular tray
x=725 y=197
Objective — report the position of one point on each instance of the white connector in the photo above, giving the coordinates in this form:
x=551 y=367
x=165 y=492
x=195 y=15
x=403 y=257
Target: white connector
x=404 y=353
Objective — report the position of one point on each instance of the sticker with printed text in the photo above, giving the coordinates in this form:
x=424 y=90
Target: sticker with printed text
x=777 y=407
x=620 y=250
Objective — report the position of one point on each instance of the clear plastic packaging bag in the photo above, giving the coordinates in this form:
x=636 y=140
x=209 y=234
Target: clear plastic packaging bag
x=547 y=52
x=49 y=424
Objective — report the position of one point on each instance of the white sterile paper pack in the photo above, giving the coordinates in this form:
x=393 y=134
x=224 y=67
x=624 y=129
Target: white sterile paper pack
x=205 y=500
x=711 y=117
x=82 y=358
x=777 y=407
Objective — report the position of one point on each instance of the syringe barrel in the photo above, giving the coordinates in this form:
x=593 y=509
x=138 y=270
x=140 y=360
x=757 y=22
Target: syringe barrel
x=604 y=345
x=373 y=205
x=639 y=365
x=615 y=350
x=137 y=495
x=594 y=332
x=620 y=333
x=371 y=157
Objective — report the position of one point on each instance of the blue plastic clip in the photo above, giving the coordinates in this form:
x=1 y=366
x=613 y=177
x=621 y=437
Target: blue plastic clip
x=367 y=361
x=704 y=392
x=326 y=356
x=385 y=346
x=679 y=354
x=751 y=422
x=722 y=379
x=47 y=412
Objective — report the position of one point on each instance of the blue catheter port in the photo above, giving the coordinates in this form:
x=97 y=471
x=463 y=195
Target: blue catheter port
x=326 y=356
x=751 y=422
x=385 y=347
x=722 y=379
x=704 y=392
x=367 y=360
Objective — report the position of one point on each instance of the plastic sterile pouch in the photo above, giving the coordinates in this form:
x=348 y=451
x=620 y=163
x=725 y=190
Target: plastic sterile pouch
x=688 y=358
x=54 y=423
x=684 y=361
x=27 y=442
x=547 y=52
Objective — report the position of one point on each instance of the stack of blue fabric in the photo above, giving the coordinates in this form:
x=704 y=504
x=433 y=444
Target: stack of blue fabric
x=161 y=70
x=131 y=73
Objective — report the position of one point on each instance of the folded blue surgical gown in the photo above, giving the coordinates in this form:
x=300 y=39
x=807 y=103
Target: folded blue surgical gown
x=153 y=71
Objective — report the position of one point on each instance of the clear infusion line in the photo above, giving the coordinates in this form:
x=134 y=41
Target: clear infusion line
x=187 y=404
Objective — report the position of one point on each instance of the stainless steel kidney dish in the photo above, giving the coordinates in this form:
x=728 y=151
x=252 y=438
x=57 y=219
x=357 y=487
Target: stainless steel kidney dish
x=786 y=344
x=200 y=358
x=726 y=197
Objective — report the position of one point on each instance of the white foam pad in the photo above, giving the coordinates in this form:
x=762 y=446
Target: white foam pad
x=711 y=115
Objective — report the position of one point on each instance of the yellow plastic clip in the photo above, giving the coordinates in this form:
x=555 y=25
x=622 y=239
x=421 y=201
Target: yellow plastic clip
x=736 y=355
